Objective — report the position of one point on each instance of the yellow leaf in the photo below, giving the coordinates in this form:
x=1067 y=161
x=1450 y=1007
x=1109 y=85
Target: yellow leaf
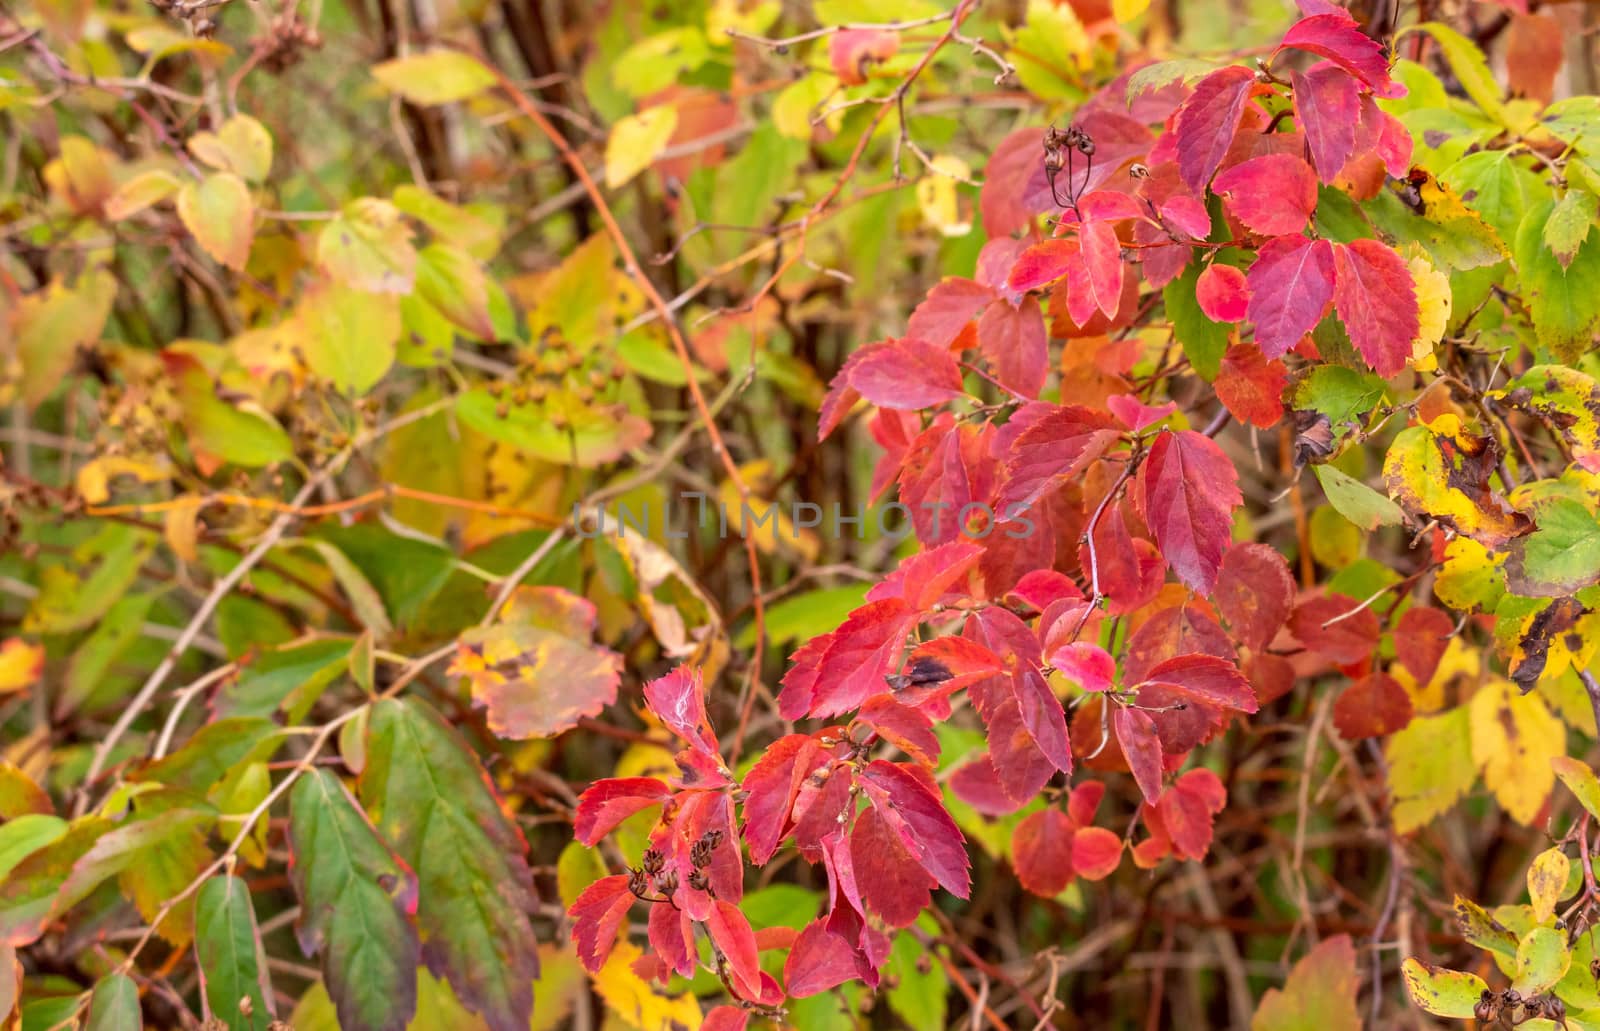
x=81 y=176
x=1127 y=10
x=1547 y=881
x=182 y=528
x=349 y=335
x=1460 y=661
x=94 y=479
x=21 y=664
x=936 y=195
x=435 y=77
x=762 y=520
x=797 y=103
x=140 y=192
x=242 y=146
x=219 y=212
x=50 y=325
x=369 y=247
x=1433 y=307
x=1514 y=737
x=1429 y=771
x=635 y=1000
x=636 y=140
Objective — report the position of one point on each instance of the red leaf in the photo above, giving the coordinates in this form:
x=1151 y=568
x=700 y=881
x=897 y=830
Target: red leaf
x=726 y=1018
x=1135 y=414
x=597 y=916
x=947 y=309
x=1420 y=639
x=1191 y=490
x=1096 y=853
x=1136 y=733
x=1340 y=40
x=1055 y=448
x=679 y=702
x=1130 y=571
x=1109 y=206
x=1272 y=676
x=771 y=787
x=1327 y=107
x=902 y=726
x=1251 y=385
x=1272 y=195
x=819 y=960
x=1291 y=284
x=948 y=468
x=1039 y=588
x=1016 y=346
x=1187 y=215
x=1204 y=680
x=1041 y=265
x=944 y=665
x=1187 y=810
x=1255 y=592
x=1346 y=642
x=1083 y=800
x=923 y=579
x=1223 y=293
x=608 y=802
x=731 y=933
x=893 y=884
x=1184 y=629
x=911 y=805
x=1377 y=301
x=672 y=937
x=906 y=374
x=1089 y=665
x=850 y=667
x=1373 y=706
x=1005 y=179
x=1041 y=852
x=1102 y=256
x=853 y=51
x=1043 y=716
x=1207 y=121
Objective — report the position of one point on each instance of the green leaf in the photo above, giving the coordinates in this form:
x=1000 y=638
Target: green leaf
x=227 y=950
x=1575 y=120
x=1542 y=960
x=1495 y=186
x=1479 y=927
x=241 y=433
x=108 y=563
x=429 y=795
x=1343 y=395
x=349 y=335
x=1581 y=781
x=453 y=224
x=28 y=894
x=1204 y=341
x=212 y=752
x=1050 y=51
x=1444 y=993
x=1470 y=66
x=807 y=615
x=219 y=212
x=368 y=247
x=114 y=1006
x=452 y=282
x=50 y=325
x=1320 y=994
x=23 y=835
x=1356 y=501
x=1429 y=767
x=919 y=986
x=1564 y=302
x=292 y=676
x=1561 y=556
x=590 y=438
x=365 y=599
x=1569 y=224
x=356 y=900
x=434 y=77
x=114 y=633
x=406 y=572
x=1164 y=73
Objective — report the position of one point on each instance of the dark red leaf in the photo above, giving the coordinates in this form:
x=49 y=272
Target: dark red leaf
x=1373 y=706
x=608 y=802
x=1255 y=593
x=944 y=665
x=1346 y=639
x=911 y=805
x=1204 y=680
x=892 y=883
x=851 y=667
x=907 y=728
x=1207 y=121
x=1272 y=194
x=1185 y=629
x=1223 y=293
x=1190 y=490
x=772 y=785
x=1041 y=852
x=1327 y=107
x=1291 y=284
x=1187 y=810
x=948 y=469
x=1420 y=639
x=1136 y=733
x=1250 y=385
x=1377 y=301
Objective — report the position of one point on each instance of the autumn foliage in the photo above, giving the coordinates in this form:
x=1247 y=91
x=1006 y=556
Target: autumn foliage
x=680 y=519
